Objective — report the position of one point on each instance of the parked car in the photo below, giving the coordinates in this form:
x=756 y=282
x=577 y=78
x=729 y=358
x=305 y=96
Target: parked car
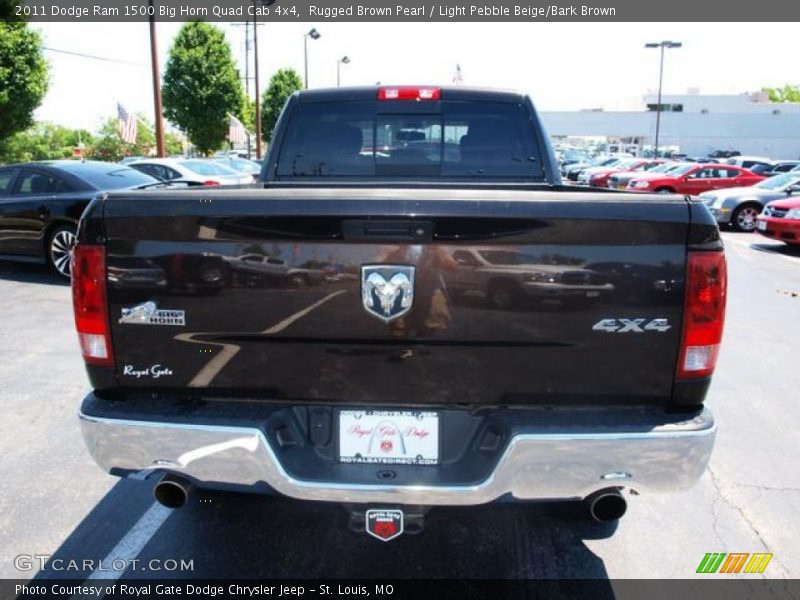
x=41 y=202
x=721 y=154
x=746 y=162
x=241 y=165
x=637 y=165
x=619 y=181
x=739 y=207
x=780 y=219
x=781 y=166
x=586 y=174
x=193 y=171
x=694 y=179
x=572 y=171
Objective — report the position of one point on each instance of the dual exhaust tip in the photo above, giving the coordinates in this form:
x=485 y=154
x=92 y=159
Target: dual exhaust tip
x=604 y=505
x=172 y=491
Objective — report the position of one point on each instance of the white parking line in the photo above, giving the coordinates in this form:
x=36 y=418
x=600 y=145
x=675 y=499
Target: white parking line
x=761 y=248
x=129 y=547
x=207 y=374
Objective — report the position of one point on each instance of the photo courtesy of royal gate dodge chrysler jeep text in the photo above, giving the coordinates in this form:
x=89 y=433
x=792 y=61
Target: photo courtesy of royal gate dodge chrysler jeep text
x=403 y=212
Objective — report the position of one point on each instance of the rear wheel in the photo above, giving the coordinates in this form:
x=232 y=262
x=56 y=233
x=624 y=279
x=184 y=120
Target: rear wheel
x=59 y=249
x=665 y=190
x=744 y=217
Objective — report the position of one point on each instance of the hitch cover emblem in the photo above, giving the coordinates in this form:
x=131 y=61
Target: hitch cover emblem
x=385 y=524
x=387 y=291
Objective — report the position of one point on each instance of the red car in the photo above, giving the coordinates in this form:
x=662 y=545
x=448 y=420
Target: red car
x=600 y=179
x=693 y=179
x=780 y=220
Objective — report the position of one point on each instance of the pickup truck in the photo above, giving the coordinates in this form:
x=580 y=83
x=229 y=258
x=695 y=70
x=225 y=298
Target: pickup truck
x=402 y=380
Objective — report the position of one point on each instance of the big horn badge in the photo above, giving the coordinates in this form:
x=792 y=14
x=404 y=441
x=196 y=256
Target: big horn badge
x=385 y=524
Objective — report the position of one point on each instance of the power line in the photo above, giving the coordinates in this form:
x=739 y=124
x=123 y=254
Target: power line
x=93 y=57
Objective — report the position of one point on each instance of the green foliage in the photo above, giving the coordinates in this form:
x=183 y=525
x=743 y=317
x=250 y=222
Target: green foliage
x=23 y=76
x=281 y=85
x=201 y=85
x=788 y=93
x=43 y=141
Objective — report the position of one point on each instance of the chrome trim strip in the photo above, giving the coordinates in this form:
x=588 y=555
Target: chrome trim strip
x=533 y=466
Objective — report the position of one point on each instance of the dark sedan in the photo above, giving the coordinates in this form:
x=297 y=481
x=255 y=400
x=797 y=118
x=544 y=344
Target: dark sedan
x=40 y=204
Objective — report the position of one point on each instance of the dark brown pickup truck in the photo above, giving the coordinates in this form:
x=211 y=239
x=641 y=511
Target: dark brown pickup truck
x=410 y=310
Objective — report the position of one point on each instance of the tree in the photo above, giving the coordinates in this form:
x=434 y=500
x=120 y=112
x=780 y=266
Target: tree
x=201 y=85
x=281 y=85
x=43 y=141
x=23 y=76
x=788 y=93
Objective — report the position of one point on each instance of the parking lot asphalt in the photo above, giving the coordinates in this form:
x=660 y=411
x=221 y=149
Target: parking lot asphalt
x=55 y=501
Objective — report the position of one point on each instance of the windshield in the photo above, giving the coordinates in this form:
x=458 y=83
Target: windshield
x=108 y=176
x=475 y=140
x=681 y=170
x=779 y=181
x=206 y=167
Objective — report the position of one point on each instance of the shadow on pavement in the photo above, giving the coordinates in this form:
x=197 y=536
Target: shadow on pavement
x=29 y=273
x=257 y=537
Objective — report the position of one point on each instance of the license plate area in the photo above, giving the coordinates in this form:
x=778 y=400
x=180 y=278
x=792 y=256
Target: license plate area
x=762 y=225
x=388 y=437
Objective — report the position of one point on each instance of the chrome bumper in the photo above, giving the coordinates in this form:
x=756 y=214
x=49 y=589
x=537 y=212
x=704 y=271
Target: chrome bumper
x=534 y=466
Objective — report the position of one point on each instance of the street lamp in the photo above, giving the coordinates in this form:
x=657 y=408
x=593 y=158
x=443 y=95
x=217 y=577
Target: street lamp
x=314 y=35
x=662 y=45
x=345 y=60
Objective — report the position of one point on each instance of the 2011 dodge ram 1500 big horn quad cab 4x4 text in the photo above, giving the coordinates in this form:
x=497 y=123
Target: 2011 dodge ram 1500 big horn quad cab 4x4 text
x=459 y=327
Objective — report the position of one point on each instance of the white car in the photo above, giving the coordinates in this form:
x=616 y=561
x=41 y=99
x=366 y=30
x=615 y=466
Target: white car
x=194 y=171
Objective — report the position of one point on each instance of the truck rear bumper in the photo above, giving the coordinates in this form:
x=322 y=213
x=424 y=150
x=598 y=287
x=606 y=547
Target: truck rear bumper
x=534 y=465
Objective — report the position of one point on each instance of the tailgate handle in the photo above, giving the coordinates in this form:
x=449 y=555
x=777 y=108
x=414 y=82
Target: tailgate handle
x=368 y=230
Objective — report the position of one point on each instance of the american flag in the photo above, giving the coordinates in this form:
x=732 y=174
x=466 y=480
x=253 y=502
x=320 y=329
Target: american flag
x=127 y=125
x=237 y=134
x=457 y=78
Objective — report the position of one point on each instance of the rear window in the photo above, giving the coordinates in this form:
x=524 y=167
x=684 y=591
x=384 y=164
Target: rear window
x=466 y=140
x=108 y=176
x=206 y=167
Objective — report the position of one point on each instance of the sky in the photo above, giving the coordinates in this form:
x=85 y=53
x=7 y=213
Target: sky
x=563 y=66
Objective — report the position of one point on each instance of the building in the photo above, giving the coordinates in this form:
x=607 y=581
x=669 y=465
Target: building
x=694 y=123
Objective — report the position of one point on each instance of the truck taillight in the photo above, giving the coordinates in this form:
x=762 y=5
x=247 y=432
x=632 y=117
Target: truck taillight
x=409 y=93
x=704 y=314
x=89 y=304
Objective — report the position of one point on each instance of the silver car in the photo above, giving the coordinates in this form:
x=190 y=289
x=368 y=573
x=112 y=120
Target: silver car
x=739 y=206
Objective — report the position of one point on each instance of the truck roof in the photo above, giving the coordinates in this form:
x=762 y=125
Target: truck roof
x=364 y=93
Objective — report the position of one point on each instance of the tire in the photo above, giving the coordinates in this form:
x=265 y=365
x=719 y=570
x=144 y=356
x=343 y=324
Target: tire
x=744 y=218
x=503 y=294
x=665 y=190
x=59 y=250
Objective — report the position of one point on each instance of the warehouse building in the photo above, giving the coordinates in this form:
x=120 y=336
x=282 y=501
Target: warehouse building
x=695 y=124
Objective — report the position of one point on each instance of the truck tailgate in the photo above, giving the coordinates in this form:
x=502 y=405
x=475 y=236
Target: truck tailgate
x=519 y=297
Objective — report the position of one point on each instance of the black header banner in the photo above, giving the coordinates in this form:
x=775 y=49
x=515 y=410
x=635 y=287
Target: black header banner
x=411 y=11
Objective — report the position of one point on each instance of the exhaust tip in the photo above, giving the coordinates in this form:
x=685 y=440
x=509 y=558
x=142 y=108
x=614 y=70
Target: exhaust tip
x=606 y=505
x=172 y=492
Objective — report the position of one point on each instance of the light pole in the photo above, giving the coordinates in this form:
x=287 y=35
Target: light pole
x=314 y=35
x=264 y=3
x=662 y=45
x=345 y=60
